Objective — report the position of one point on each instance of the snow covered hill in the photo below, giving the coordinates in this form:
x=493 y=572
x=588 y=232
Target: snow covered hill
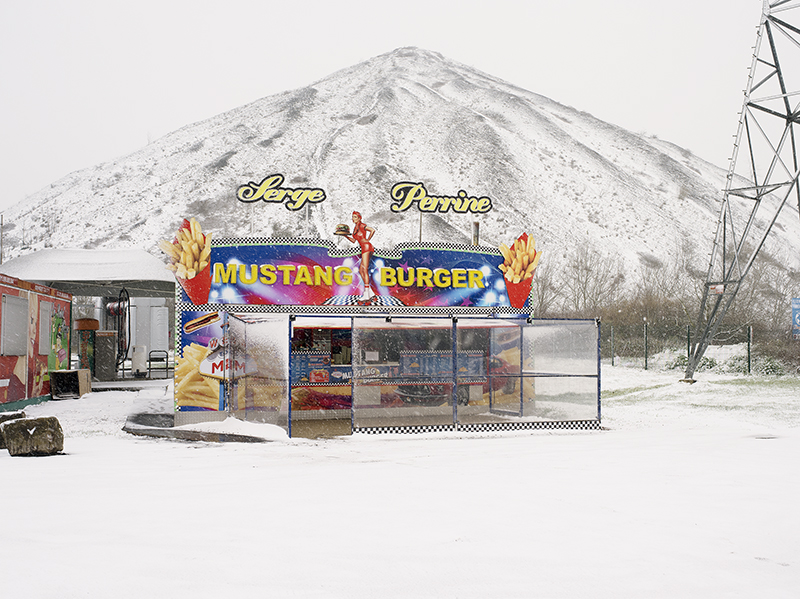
x=409 y=115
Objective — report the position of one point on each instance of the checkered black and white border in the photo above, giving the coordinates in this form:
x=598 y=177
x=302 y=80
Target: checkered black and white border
x=337 y=252
x=354 y=310
x=481 y=427
x=352 y=300
x=429 y=428
x=511 y=426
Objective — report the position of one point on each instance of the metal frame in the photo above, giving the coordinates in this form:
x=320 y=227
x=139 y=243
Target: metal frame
x=763 y=173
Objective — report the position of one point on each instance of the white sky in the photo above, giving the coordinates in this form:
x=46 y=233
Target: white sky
x=84 y=82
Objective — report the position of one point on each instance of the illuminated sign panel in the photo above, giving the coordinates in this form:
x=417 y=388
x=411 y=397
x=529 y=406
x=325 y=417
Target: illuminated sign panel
x=318 y=274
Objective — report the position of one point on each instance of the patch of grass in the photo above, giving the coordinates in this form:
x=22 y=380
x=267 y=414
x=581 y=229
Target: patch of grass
x=631 y=390
x=779 y=382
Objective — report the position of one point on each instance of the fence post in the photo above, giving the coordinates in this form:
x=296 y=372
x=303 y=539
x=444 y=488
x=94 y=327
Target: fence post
x=749 y=343
x=688 y=341
x=645 y=343
x=612 y=344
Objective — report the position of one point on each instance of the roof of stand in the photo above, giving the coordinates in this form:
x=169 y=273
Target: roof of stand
x=96 y=273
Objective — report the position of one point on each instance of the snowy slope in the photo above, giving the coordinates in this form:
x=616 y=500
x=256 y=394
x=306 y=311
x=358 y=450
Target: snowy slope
x=409 y=115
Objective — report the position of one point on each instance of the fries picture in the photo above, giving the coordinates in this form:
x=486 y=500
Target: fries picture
x=519 y=265
x=190 y=257
x=519 y=260
x=189 y=253
x=191 y=388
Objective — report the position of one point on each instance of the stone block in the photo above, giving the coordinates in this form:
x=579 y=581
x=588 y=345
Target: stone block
x=33 y=436
x=5 y=416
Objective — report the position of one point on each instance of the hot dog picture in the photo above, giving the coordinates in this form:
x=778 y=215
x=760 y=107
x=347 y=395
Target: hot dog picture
x=202 y=321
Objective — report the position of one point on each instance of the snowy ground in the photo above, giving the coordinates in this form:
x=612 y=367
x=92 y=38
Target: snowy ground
x=691 y=491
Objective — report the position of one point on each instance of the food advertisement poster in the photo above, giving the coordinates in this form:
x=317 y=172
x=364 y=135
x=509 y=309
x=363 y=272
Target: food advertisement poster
x=201 y=338
x=309 y=275
x=318 y=274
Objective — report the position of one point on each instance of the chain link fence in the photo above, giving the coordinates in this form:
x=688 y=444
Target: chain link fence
x=662 y=346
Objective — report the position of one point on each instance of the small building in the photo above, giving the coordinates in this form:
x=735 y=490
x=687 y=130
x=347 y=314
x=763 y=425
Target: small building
x=35 y=328
x=143 y=319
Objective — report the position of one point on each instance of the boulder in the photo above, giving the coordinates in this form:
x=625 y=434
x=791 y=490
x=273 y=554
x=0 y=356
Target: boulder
x=3 y=418
x=33 y=436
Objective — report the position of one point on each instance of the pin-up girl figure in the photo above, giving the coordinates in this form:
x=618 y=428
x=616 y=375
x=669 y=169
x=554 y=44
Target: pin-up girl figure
x=361 y=235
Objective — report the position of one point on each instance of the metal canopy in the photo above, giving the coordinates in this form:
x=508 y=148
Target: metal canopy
x=763 y=172
x=135 y=288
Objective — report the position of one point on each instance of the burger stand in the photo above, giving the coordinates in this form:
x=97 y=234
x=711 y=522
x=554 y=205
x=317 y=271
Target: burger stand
x=275 y=330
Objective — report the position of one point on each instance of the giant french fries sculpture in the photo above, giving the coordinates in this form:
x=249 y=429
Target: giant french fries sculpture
x=189 y=256
x=519 y=265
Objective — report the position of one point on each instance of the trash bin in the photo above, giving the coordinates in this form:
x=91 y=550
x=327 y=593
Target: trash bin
x=70 y=384
x=105 y=355
x=139 y=360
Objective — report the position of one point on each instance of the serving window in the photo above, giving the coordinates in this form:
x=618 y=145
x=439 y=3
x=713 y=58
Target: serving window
x=321 y=369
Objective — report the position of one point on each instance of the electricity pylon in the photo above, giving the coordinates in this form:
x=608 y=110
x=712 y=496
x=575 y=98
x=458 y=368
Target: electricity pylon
x=763 y=172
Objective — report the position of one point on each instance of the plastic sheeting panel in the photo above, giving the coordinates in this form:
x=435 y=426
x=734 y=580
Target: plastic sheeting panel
x=402 y=372
x=258 y=381
x=429 y=372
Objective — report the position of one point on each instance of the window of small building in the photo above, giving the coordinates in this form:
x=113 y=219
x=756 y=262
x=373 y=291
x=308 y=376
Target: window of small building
x=14 y=335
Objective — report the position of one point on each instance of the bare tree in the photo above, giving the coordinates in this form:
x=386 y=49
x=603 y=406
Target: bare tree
x=545 y=289
x=590 y=281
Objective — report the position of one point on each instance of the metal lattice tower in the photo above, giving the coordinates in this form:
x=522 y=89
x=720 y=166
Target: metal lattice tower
x=763 y=174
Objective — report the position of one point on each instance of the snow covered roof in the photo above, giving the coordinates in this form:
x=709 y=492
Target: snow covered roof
x=95 y=272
